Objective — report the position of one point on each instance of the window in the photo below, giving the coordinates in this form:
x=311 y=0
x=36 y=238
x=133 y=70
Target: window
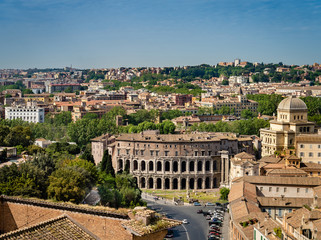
x=301 y=145
x=157 y=153
x=141 y=152
x=195 y=153
x=285 y=189
x=310 y=154
x=319 y=146
x=261 y=189
x=307 y=190
x=301 y=154
x=166 y=153
x=298 y=190
x=270 y=189
x=176 y=153
x=310 y=146
x=152 y=153
x=127 y=151
x=280 y=212
x=319 y=154
x=277 y=189
x=209 y=153
x=118 y=152
x=311 y=173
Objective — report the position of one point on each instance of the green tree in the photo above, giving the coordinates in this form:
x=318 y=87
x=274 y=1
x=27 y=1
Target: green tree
x=68 y=184
x=224 y=193
x=106 y=164
x=247 y=114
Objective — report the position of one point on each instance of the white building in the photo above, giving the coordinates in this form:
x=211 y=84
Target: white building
x=243 y=164
x=26 y=113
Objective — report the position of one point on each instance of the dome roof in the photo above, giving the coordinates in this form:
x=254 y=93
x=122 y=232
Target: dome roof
x=292 y=103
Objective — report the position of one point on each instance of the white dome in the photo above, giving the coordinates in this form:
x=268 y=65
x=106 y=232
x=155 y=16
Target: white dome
x=292 y=103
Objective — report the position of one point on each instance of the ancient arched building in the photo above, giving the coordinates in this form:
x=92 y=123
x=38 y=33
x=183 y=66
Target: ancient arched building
x=176 y=161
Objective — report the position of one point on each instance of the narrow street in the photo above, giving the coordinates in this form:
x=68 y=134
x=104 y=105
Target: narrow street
x=196 y=229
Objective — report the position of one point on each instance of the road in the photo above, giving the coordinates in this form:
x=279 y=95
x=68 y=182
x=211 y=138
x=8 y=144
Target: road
x=196 y=229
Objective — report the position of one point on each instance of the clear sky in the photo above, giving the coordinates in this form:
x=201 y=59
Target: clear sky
x=114 y=33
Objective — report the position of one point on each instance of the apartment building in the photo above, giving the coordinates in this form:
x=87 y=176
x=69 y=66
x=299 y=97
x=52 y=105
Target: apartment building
x=28 y=113
x=308 y=148
x=238 y=103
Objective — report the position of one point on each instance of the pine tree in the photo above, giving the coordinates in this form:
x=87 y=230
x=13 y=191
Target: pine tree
x=106 y=164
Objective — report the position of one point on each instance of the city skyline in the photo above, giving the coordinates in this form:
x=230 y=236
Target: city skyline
x=106 y=34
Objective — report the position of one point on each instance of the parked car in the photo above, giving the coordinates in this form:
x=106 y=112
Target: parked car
x=214 y=227
x=217 y=223
x=208 y=217
x=197 y=204
x=185 y=221
x=209 y=204
x=200 y=211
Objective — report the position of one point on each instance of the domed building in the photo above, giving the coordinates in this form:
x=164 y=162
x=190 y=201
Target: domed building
x=292 y=119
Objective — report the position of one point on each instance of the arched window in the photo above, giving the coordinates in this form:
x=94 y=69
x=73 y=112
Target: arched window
x=199 y=183
x=199 y=166
x=207 y=165
x=151 y=166
x=191 y=166
x=183 y=183
x=214 y=165
x=183 y=166
x=142 y=182
x=175 y=166
x=135 y=165
x=150 y=183
x=175 y=183
x=120 y=164
x=159 y=183
x=159 y=166
x=143 y=166
x=167 y=166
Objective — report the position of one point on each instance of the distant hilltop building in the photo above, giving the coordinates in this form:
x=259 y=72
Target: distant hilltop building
x=28 y=113
x=292 y=120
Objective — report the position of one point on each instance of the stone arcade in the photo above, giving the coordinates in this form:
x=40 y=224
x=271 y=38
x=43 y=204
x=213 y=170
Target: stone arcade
x=178 y=161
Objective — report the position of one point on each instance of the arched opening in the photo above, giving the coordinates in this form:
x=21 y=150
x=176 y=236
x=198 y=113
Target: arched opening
x=183 y=183
x=166 y=183
x=207 y=165
x=199 y=183
x=142 y=182
x=183 y=166
x=151 y=166
x=127 y=166
x=199 y=166
x=143 y=166
x=159 y=183
x=135 y=165
x=151 y=183
x=207 y=183
x=214 y=166
x=120 y=164
x=167 y=166
x=191 y=166
x=175 y=183
x=159 y=166
x=191 y=183
x=214 y=183
x=175 y=166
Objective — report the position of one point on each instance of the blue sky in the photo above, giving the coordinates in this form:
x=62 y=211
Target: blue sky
x=114 y=33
